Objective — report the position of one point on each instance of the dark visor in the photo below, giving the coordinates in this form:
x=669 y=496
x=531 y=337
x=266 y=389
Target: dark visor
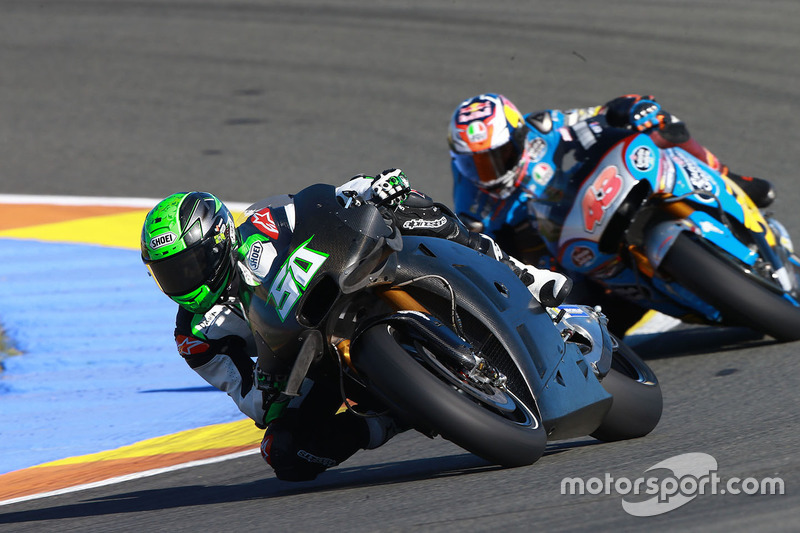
x=186 y=271
x=490 y=164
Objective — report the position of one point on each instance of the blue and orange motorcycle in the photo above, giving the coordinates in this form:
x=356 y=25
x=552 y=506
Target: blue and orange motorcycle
x=667 y=232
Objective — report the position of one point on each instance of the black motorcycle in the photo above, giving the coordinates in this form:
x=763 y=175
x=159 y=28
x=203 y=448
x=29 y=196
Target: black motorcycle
x=447 y=339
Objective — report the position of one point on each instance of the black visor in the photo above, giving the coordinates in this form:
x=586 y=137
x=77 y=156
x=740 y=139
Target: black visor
x=184 y=272
x=504 y=158
x=493 y=164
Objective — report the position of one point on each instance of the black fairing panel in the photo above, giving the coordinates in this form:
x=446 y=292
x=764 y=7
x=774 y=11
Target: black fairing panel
x=337 y=240
x=500 y=301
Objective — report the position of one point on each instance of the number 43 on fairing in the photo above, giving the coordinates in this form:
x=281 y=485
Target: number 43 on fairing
x=293 y=278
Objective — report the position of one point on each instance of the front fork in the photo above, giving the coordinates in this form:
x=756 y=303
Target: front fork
x=455 y=350
x=398 y=300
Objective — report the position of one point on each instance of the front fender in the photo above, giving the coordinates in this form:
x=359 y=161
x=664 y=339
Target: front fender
x=660 y=238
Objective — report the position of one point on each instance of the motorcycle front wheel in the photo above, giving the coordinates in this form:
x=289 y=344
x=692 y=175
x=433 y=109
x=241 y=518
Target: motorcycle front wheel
x=742 y=300
x=486 y=420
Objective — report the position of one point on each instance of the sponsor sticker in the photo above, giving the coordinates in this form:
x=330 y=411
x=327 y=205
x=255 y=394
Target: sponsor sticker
x=162 y=240
x=585 y=135
x=209 y=318
x=266 y=448
x=477 y=132
x=581 y=256
x=254 y=255
x=259 y=257
x=263 y=220
x=643 y=158
x=596 y=128
x=190 y=345
x=475 y=111
x=421 y=223
x=311 y=458
x=536 y=148
x=573 y=311
x=709 y=227
x=542 y=173
x=699 y=179
x=666 y=177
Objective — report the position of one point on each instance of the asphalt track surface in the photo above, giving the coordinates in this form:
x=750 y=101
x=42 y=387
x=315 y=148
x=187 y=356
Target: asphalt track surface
x=246 y=99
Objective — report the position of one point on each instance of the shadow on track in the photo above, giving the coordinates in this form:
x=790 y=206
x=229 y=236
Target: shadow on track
x=696 y=340
x=269 y=488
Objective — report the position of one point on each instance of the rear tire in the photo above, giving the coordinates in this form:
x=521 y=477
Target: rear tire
x=435 y=402
x=740 y=299
x=637 y=404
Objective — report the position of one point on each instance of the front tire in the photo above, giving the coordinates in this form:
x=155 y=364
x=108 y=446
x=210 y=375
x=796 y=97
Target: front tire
x=432 y=399
x=741 y=300
x=637 y=403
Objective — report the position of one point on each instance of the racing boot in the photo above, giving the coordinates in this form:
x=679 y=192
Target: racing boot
x=759 y=190
x=382 y=428
x=548 y=287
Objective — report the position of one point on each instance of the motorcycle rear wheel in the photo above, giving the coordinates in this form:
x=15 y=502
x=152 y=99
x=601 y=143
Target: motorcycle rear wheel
x=741 y=300
x=429 y=396
x=637 y=405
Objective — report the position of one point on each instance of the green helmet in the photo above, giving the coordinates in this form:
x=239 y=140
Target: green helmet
x=187 y=243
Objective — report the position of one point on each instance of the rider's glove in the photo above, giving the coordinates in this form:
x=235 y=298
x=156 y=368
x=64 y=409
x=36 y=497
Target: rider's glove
x=274 y=401
x=632 y=110
x=645 y=115
x=390 y=187
x=272 y=384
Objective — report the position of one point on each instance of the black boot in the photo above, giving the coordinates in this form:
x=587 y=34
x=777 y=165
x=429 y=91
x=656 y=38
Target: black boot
x=759 y=190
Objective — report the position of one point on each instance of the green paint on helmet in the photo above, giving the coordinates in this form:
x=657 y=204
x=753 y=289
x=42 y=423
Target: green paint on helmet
x=187 y=243
x=200 y=300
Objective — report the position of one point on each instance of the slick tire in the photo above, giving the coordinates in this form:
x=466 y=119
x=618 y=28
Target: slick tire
x=430 y=402
x=741 y=299
x=637 y=401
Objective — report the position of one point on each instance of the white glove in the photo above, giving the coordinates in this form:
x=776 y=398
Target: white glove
x=390 y=187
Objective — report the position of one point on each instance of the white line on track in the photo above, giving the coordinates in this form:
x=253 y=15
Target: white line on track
x=129 y=477
x=95 y=201
x=148 y=203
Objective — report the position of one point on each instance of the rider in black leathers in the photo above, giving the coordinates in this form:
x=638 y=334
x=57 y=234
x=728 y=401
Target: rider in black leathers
x=191 y=248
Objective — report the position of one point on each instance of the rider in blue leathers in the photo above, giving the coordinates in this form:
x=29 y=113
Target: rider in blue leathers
x=501 y=160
